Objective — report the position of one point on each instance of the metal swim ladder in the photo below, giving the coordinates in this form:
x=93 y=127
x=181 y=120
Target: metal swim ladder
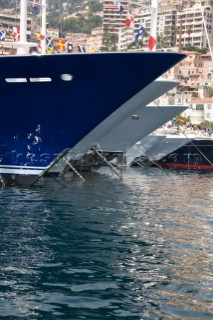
x=61 y=156
x=107 y=162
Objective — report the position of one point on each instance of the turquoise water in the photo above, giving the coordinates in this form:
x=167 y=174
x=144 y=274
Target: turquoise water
x=140 y=248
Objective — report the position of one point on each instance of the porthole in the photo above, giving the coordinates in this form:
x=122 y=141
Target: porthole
x=66 y=77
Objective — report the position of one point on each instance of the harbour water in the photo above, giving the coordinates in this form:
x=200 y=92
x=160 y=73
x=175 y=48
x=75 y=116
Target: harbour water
x=137 y=248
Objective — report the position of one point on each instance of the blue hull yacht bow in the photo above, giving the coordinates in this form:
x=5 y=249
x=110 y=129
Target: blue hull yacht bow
x=50 y=102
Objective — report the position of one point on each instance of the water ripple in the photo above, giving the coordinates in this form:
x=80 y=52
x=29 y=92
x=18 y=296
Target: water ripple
x=140 y=248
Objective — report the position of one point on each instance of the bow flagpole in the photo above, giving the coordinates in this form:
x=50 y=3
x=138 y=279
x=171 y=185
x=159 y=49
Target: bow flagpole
x=153 y=29
x=43 y=27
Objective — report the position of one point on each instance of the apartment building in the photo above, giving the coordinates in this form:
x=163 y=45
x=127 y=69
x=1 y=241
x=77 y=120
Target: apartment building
x=176 y=2
x=200 y=105
x=196 y=26
x=112 y=19
x=114 y=22
x=10 y=20
x=190 y=70
x=207 y=69
x=201 y=110
x=182 y=23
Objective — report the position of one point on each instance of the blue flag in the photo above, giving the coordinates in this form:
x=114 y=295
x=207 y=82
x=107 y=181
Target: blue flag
x=35 y=11
x=49 y=43
x=2 y=35
x=120 y=8
x=69 y=47
x=140 y=32
x=4 y=25
x=81 y=48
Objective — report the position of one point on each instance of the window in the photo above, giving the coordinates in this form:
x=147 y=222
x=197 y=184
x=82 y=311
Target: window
x=135 y=117
x=199 y=107
x=15 y=80
x=40 y=79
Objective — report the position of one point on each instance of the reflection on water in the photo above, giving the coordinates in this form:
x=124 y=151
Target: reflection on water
x=140 y=248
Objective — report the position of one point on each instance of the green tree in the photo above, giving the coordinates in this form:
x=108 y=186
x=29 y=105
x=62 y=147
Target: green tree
x=95 y=6
x=207 y=124
x=191 y=48
x=82 y=23
x=137 y=45
x=113 y=40
x=109 y=41
x=210 y=91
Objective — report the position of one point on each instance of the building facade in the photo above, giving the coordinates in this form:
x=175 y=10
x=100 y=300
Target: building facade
x=181 y=23
x=207 y=74
x=114 y=23
x=195 y=26
x=112 y=19
x=201 y=110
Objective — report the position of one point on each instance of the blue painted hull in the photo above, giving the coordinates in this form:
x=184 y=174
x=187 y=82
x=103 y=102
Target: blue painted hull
x=197 y=154
x=40 y=119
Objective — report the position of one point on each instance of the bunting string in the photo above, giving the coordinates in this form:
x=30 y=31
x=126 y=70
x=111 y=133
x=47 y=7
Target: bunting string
x=59 y=45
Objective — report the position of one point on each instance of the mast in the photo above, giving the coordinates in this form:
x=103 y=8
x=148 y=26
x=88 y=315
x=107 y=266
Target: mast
x=23 y=21
x=43 y=28
x=22 y=49
x=23 y=46
x=154 y=12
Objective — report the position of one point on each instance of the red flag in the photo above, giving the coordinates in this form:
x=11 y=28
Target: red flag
x=39 y=48
x=152 y=43
x=129 y=20
x=40 y=36
x=16 y=34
